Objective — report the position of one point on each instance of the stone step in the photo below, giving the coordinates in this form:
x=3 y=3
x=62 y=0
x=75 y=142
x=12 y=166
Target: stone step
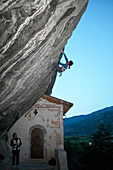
x=36 y=166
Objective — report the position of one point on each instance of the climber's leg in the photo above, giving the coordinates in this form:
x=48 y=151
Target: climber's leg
x=56 y=66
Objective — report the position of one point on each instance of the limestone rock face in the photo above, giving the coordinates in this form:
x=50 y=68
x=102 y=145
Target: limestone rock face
x=32 y=34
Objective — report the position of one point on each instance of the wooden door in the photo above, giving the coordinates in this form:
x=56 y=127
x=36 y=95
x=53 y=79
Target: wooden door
x=37 y=143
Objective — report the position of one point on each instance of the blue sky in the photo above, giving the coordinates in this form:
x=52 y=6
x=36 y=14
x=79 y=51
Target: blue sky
x=89 y=83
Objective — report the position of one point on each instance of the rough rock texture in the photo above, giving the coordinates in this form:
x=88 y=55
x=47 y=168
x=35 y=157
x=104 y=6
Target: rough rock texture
x=32 y=34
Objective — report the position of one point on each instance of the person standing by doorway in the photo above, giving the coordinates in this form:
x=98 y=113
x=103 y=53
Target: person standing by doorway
x=15 y=144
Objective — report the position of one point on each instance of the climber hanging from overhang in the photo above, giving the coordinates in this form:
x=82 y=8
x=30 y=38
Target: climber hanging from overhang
x=68 y=64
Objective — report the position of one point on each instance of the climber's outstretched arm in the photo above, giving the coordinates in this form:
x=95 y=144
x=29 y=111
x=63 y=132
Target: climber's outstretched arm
x=62 y=52
x=64 y=65
x=66 y=58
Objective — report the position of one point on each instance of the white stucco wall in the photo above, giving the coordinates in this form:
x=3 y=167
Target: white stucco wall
x=49 y=119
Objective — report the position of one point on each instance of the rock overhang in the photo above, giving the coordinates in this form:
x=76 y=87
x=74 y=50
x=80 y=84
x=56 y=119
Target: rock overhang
x=32 y=36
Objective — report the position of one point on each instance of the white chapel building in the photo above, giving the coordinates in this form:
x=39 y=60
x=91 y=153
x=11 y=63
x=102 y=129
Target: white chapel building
x=41 y=129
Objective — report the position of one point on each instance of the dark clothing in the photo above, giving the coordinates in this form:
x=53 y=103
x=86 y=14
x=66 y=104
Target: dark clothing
x=15 y=157
x=64 y=65
x=15 y=143
x=57 y=67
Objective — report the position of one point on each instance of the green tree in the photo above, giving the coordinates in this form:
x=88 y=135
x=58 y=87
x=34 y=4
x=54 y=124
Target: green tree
x=100 y=154
x=75 y=153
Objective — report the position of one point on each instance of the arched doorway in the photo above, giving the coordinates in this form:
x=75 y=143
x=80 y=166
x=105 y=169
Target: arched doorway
x=37 y=140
